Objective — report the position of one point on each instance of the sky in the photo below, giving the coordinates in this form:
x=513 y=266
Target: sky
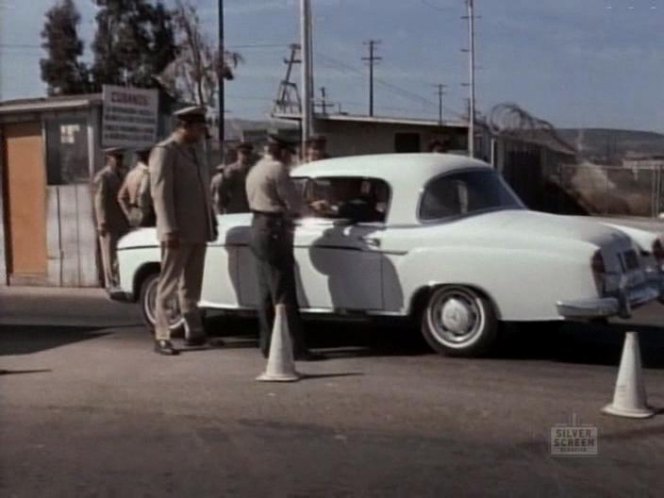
x=575 y=63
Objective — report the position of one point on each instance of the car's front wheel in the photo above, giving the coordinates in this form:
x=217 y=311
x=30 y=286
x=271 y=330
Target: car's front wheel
x=459 y=321
x=148 y=306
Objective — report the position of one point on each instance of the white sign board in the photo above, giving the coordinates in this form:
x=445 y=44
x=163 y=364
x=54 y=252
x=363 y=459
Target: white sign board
x=130 y=117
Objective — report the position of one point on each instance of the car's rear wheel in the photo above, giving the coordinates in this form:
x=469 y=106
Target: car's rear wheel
x=459 y=321
x=148 y=307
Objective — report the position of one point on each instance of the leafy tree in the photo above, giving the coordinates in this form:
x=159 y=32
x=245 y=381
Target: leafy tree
x=195 y=73
x=61 y=70
x=135 y=41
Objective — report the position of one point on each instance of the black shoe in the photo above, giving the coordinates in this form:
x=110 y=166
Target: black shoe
x=196 y=341
x=309 y=356
x=165 y=347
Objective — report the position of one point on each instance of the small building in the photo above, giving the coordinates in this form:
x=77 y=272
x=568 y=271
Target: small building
x=349 y=135
x=50 y=150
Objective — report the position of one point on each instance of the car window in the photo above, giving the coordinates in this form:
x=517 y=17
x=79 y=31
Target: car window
x=353 y=198
x=465 y=192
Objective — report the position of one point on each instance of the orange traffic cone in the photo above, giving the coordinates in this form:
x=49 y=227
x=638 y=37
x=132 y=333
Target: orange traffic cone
x=629 y=399
x=280 y=363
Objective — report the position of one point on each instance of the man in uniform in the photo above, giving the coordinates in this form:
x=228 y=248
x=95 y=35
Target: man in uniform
x=134 y=196
x=111 y=221
x=185 y=223
x=274 y=203
x=229 y=192
x=316 y=149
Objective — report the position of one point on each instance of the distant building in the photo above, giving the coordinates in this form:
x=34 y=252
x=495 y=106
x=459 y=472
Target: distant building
x=349 y=135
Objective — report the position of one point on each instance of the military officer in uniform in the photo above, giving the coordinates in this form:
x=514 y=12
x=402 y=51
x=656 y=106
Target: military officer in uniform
x=111 y=221
x=229 y=192
x=180 y=189
x=134 y=196
x=274 y=202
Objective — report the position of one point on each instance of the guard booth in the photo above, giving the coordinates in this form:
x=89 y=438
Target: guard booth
x=50 y=150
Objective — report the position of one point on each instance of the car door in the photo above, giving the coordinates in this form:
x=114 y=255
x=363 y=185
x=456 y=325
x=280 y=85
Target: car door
x=338 y=265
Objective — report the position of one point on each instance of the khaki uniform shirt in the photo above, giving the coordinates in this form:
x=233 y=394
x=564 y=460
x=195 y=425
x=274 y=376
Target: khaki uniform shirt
x=107 y=208
x=270 y=188
x=229 y=191
x=135 y=191
x=180 y=188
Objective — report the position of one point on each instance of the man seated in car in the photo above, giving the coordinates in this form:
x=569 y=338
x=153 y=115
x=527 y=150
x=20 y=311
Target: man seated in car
x=347 y=199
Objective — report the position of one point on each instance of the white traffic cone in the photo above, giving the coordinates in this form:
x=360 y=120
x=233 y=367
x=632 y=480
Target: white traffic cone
x=280 y=363
x=629 y=399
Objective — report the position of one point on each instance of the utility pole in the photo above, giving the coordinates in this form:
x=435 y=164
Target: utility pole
x=323 y=100
x=307 y=71
x=471 y=82
x=222 y=96
x=440 y=92
x=371 y=60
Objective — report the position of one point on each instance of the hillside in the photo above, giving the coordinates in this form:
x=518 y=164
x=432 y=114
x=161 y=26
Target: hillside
x=613 y=144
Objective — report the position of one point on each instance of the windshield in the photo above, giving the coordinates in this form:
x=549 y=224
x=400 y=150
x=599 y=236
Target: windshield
x=464 y=193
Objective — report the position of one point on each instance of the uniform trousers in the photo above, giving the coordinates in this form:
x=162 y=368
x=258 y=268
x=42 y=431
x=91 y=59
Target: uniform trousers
x=108 y=244
x=182 y=277
x=272 y=247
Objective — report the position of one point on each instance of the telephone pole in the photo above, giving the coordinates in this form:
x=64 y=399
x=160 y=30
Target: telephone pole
x=324 y=104
x=222 y=96
x=440 y=92
x=371 y=60
x=306 y=42
x=471 y=82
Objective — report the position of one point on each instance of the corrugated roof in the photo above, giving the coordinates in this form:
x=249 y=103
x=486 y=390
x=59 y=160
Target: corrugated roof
x=50 y=103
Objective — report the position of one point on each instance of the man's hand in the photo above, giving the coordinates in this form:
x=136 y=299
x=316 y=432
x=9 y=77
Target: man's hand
x=172 y=241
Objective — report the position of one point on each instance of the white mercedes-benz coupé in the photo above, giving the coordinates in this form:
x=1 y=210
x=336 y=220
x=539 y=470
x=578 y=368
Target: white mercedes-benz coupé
x=440 y=238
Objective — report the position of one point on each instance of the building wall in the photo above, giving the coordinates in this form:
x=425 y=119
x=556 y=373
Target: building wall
x=353 y=138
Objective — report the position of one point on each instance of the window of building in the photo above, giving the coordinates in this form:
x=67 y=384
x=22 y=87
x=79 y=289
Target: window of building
x=67 y=151
x=407 y=142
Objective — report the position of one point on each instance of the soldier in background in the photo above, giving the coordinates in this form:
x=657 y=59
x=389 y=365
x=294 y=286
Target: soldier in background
x=134 y=196
x=111 y=220
x=316 y=149
x=437 y=147
x=185 y=223
x=229 y=194
x=274 y=203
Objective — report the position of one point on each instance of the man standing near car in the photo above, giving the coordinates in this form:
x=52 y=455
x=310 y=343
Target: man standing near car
x=274 y=202
x=134 y=196
x=111 y=221
x=229 y=192
x=185 y=223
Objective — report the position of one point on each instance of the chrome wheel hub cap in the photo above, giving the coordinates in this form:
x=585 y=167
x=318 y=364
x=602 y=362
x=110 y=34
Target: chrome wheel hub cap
x=456 y=317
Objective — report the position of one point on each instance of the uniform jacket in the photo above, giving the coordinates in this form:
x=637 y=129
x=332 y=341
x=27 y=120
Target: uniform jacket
x=228 y=189
x=107 y=208
x=180 y=188
x=270 y=188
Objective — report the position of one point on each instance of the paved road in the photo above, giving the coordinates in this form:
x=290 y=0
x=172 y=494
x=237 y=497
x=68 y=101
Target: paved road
x=86 y=409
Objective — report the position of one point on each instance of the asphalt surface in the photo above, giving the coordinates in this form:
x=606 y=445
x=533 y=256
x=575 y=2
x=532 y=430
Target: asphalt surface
x=87 y=409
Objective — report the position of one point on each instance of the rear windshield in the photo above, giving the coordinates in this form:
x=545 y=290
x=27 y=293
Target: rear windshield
x=466 y=192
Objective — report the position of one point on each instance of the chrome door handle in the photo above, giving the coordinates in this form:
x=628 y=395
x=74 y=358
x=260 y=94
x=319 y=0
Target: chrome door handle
x=370 y=241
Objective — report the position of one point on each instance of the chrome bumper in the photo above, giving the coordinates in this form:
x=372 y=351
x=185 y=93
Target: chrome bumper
x=620 y=305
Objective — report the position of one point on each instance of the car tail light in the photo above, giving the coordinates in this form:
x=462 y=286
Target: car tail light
x=658 y=252
x=599 y=270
